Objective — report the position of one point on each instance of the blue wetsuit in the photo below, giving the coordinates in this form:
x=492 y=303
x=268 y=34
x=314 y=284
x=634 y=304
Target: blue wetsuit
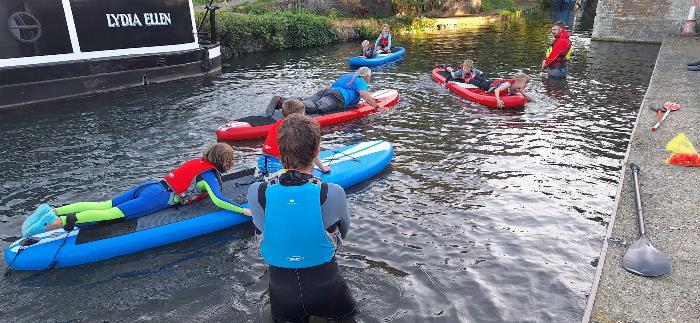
x=144 y=199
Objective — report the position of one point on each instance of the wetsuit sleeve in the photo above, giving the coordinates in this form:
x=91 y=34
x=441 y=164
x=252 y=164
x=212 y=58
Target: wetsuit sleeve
x=389 y=46
x=255 y=207
x=335 y=208
x=210 y=184
x=561 y=47
x=376 y=42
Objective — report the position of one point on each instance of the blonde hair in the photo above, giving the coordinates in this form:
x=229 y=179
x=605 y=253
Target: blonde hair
x=468 y=63
x=365 y=43
x=221 y=155
x=385 y=26
x=292 y=106
x=521 y=77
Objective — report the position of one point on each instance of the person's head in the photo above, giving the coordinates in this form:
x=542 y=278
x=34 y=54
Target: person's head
x=298 y=138
x=365 y=44
x=557 y=27
x=520 y=80
x=365 y=73
x=292 y=106
x=468 y=65
x=385 y=28
x=221 y=155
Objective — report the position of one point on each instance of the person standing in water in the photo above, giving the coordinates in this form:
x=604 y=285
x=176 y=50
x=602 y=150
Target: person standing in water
x=558 y=54
x=302 y=221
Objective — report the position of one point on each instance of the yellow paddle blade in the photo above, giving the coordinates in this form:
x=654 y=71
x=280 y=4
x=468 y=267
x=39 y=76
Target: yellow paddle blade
x=681 y=145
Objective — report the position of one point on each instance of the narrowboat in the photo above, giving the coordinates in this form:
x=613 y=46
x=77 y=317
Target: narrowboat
x=57 y=49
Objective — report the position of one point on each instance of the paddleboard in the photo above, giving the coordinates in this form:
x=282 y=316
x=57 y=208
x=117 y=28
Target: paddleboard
x=395 y=55
x=350 y=165
x=258 y=126
x=475 y=94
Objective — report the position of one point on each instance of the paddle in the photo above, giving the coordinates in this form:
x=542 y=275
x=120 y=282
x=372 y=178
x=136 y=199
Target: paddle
x=659 y=110
x=642 y=258
x=669 y=107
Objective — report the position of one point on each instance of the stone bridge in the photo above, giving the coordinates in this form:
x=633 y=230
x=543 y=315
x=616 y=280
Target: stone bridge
x=639 y=20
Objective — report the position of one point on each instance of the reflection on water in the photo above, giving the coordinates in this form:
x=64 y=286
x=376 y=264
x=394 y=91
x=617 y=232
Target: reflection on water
x=484 y=215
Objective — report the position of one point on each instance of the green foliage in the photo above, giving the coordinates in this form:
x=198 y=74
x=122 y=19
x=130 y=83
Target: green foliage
x=421 y=24
x=205 y=2
x=251 y=7
x=488 y=5
x=415 y=8
x=366 y=32
x=273 y=30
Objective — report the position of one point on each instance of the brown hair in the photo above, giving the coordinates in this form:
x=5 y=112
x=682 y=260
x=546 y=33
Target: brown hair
x=522 y=77
x=292 y=106
x=560 y=24
x=298 y=138
x=221 y=155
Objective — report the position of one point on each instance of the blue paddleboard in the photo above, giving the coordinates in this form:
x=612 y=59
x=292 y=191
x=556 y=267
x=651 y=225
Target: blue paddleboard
x=395 y=55
x=350 y=165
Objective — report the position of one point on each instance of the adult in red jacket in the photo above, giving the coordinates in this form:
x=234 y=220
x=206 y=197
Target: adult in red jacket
x=559 y=53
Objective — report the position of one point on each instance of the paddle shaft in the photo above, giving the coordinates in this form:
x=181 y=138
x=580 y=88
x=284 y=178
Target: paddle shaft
x=638 y=198
x=658 y=124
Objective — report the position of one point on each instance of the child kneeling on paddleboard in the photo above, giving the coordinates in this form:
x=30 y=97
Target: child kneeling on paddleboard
x=269 y=162
x=302 y=222
x=383 y=42
x=367 y=50
x=466 y=73
x=192 y=181
x=517 y=85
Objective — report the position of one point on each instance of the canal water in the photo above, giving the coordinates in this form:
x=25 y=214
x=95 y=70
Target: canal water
x=484 y=215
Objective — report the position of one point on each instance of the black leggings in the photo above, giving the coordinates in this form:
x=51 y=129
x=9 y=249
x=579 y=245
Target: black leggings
x=478 y=80
x=324 y=101
x=297 y=294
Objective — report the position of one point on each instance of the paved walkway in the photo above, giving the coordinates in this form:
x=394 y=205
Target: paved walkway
x=671 y=203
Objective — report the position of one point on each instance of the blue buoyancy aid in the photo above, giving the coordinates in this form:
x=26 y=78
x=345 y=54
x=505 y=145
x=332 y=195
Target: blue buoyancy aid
x=294 y=235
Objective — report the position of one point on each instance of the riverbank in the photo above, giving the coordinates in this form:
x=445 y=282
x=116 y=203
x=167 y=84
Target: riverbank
x=248 y=27
x=669 y=200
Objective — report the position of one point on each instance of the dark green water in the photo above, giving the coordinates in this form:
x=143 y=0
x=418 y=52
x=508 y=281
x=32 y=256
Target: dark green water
x=484 y=215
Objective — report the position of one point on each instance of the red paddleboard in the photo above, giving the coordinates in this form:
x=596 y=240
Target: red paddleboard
x=475 y=94
x=258 y=126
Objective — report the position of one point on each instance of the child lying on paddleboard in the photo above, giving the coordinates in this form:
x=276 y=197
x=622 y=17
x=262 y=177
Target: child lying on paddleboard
x=467 y=73
x=507 y=87
x=192 y=181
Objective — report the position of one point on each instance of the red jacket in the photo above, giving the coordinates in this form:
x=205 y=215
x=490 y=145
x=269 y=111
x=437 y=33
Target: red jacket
x=560 y=48
x=270 y=146
x=182 y=177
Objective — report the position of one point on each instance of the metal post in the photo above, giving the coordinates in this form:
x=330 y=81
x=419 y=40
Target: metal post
x=214 y=34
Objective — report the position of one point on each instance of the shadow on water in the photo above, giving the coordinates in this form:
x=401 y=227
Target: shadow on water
x=484 y=215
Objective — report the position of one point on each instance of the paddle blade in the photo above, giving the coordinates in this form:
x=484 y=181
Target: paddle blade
x=643 y=259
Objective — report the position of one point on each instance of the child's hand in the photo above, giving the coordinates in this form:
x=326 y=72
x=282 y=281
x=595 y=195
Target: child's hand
x=326 y=169
x=499 y=103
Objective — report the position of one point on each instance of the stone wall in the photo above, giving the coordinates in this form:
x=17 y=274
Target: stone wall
x=639 y=20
